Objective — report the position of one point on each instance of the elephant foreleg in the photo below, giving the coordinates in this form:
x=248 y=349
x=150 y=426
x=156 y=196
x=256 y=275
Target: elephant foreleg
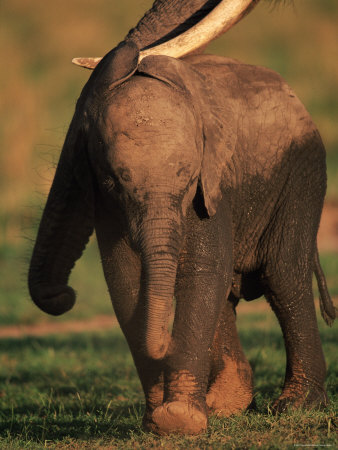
x=204 y=275
x=187 y=363
x=231 y=380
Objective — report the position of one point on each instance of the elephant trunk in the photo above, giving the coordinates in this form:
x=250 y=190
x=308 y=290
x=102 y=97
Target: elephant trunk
x=179 y=28
x=160 y=252
x=65 y=227
x=168 y=19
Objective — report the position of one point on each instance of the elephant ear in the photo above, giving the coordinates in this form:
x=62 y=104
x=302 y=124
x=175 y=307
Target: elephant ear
x=116 y=67
x=220 y=137
x=213 y=112
x=175 y=72
x=218 y=109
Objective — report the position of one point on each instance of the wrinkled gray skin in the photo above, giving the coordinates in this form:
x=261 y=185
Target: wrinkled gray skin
x=203 y=179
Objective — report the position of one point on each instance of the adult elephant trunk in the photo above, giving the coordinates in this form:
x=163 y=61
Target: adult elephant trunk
x=65 y=227
x=160 y=251
x=178 y=28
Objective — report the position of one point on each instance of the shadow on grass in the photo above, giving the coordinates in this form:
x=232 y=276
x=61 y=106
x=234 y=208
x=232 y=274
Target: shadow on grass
x=85 y=386
x=75 y=386
x=121 y=424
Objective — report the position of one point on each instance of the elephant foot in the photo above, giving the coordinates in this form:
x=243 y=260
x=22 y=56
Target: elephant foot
x=232 y=390
x=177 y=417
x=314 y=397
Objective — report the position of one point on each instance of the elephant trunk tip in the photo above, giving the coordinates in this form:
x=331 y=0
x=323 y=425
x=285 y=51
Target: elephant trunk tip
x=54 y=300
x=157 y=348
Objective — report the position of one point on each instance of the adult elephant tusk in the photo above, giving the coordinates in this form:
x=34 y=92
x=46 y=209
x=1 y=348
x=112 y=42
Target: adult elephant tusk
x=87 y=62
x=218 y=21
x=226 y=14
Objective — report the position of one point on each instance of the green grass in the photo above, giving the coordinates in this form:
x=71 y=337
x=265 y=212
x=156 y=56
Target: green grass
x=82 y=391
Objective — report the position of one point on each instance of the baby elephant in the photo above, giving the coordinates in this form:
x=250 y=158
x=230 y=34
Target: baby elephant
x=204 y=179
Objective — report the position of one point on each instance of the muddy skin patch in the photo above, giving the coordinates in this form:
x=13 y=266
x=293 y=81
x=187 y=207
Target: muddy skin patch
x=232 y=390
x=182 y=386
x=178 y=417
x=155 y=395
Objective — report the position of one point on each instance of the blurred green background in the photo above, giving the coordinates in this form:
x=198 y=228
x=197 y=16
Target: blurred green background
x=39 y=87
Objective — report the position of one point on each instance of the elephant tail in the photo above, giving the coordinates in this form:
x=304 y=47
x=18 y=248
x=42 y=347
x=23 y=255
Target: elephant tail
x=327 y=309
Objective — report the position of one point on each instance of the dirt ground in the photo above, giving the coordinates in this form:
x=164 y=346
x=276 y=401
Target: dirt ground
x=45 y=328
x=327 y=241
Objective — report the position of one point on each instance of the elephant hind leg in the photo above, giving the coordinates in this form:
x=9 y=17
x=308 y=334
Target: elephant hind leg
x=289 y=291
x=231 y=380
x=292 y=301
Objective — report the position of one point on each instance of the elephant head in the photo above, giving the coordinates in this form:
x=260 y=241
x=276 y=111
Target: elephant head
x=69 y=215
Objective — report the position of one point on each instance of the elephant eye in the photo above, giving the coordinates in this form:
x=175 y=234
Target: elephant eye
x=109 y=184
x=113 y=184
x=117 y=185
x=115 y=181
x=124 y=174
